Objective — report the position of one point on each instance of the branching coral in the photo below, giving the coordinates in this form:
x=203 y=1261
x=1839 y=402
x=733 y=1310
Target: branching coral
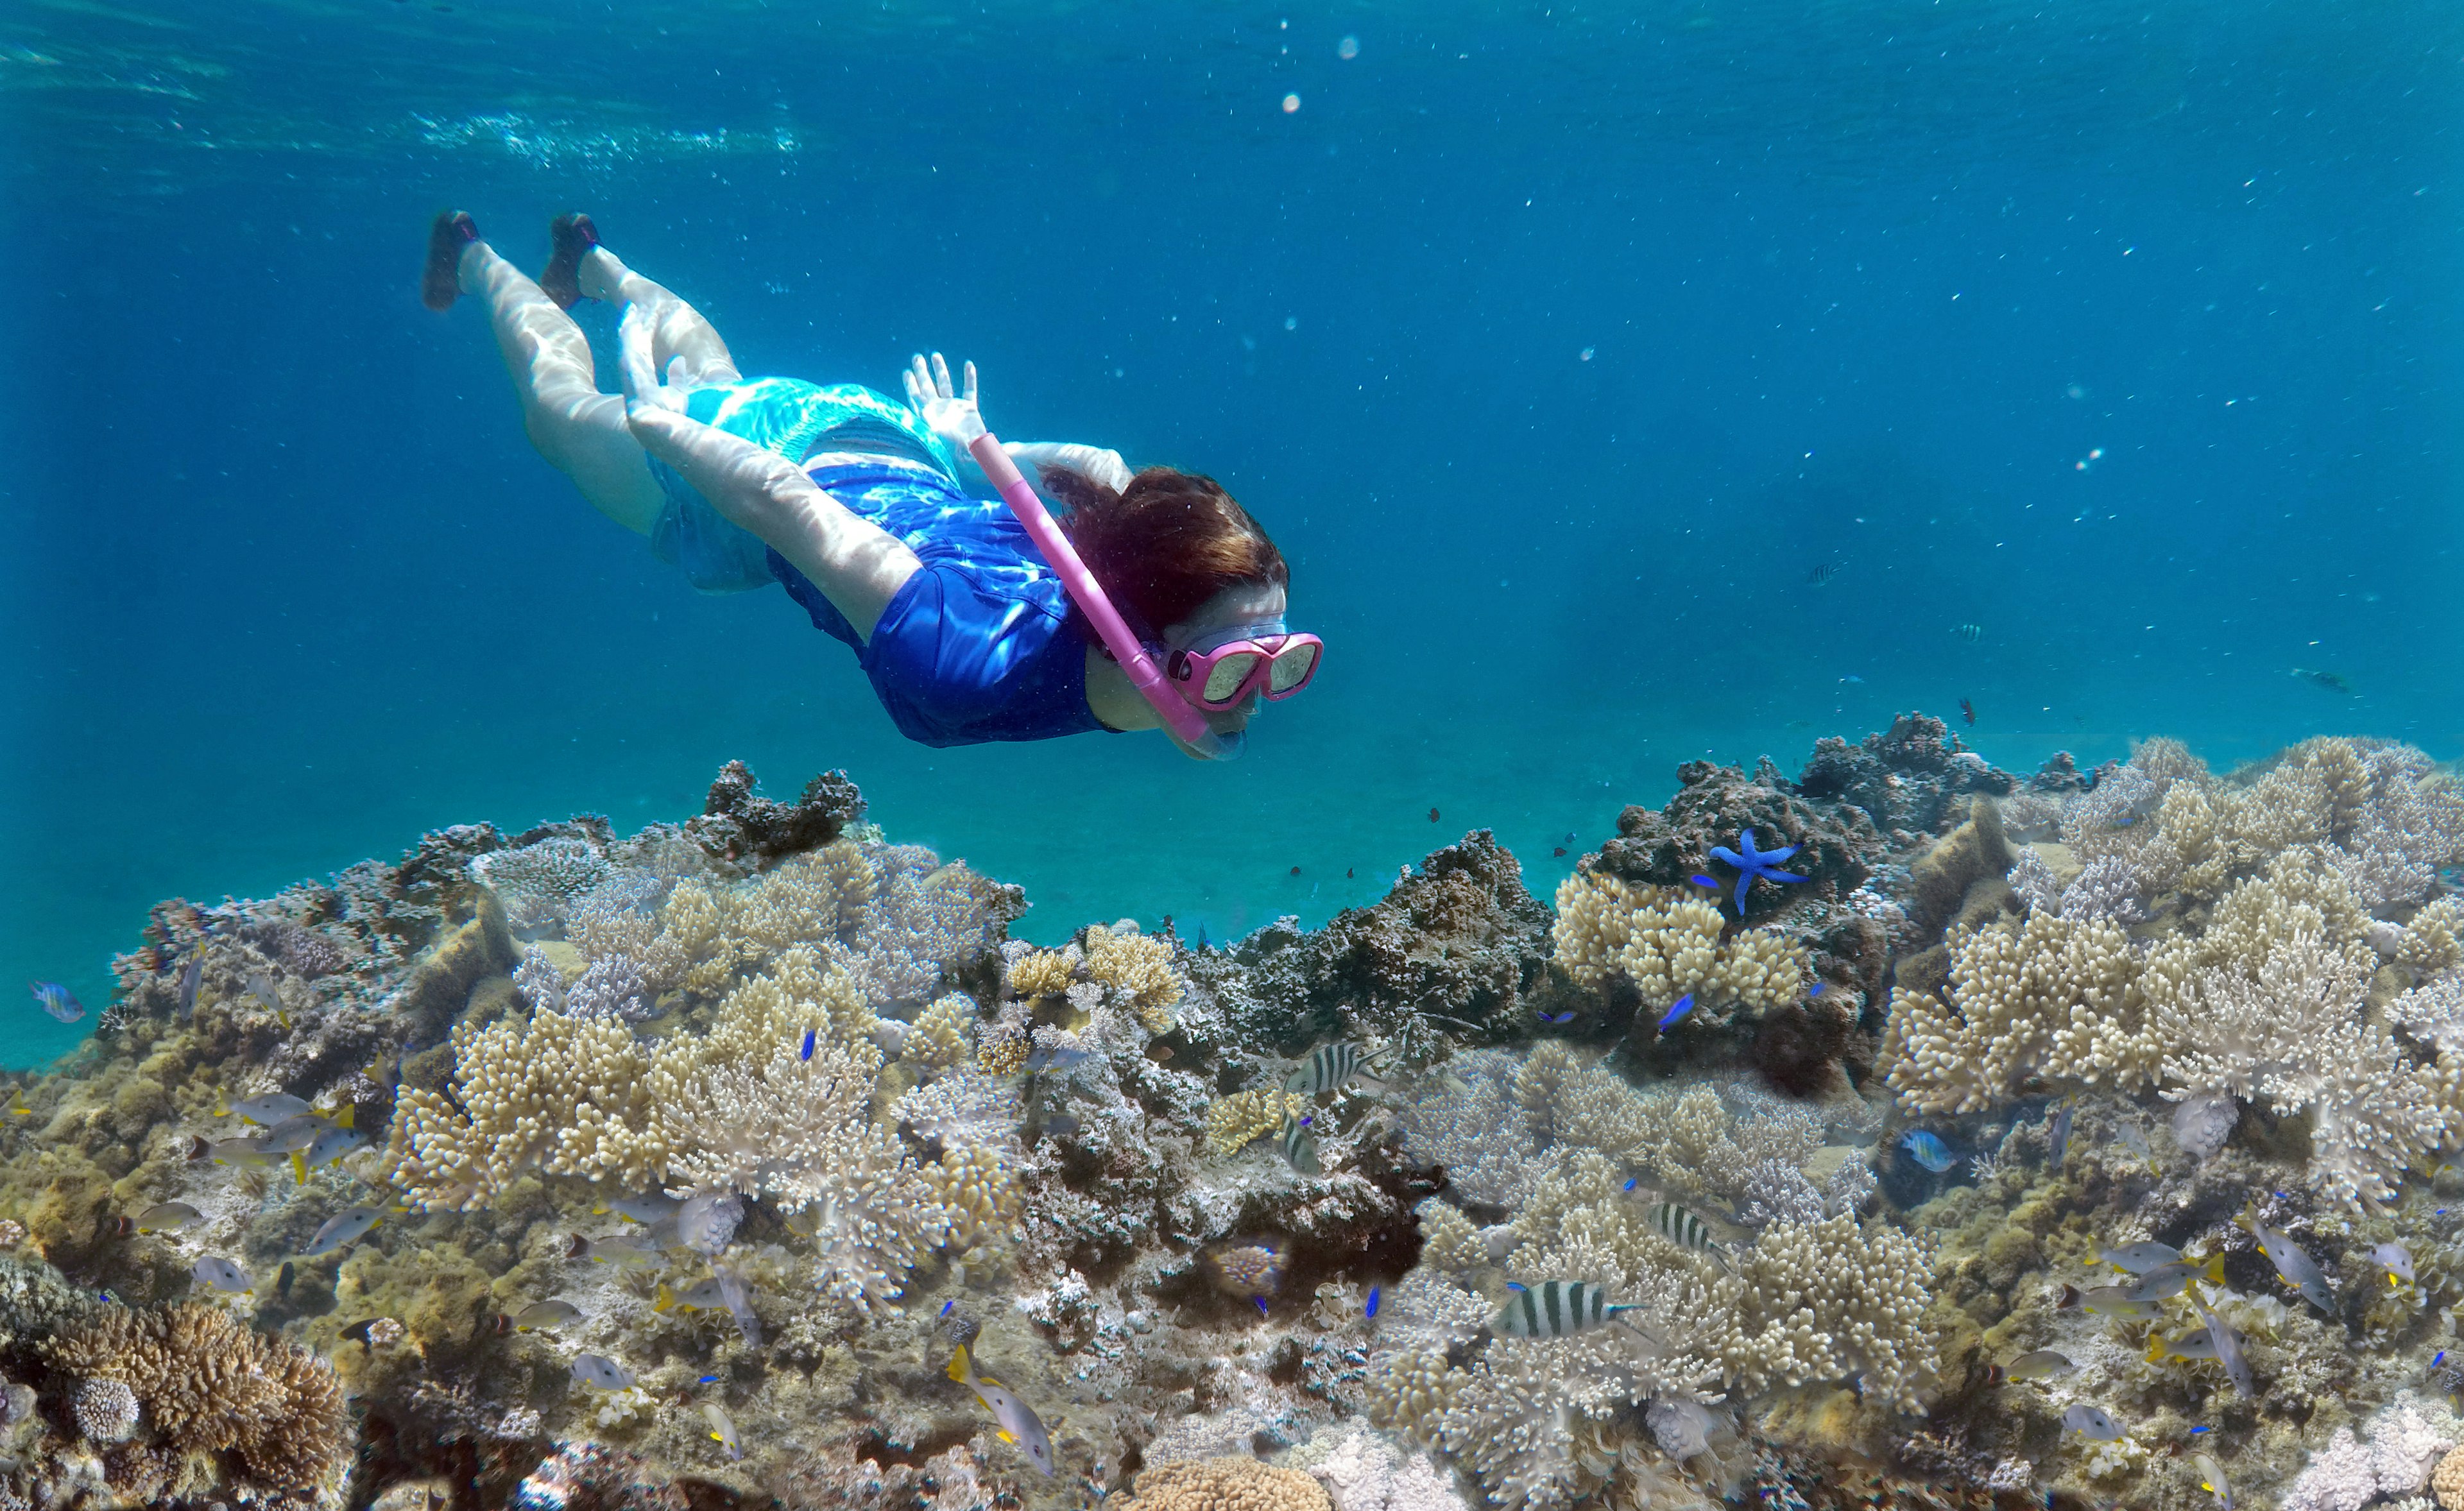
x=1233 y=1121
x=1137 y=967
x=940 y=1036
x=1667 y=943
x=206 y=1385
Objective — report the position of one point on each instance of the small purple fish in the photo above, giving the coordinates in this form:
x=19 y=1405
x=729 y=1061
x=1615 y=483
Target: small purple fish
x=1559 y=1018
x=1262 y=1304
x=54 y=998
x=807 y=1053
x=1684 y=1005
x=1373 y=1300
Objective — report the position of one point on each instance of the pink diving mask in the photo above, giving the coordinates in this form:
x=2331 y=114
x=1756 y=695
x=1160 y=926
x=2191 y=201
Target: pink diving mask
x=1277 y=664
x=1224 y=667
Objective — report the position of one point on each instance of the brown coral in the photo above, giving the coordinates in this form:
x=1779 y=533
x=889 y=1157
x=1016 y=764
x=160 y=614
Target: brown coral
x=206 y=1385
x=1226 y=1484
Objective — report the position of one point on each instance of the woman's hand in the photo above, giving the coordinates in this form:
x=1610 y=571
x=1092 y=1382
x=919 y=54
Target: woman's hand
x=953 y=416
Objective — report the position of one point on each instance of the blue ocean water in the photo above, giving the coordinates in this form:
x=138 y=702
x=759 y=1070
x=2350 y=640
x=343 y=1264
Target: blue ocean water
x=1557 y=345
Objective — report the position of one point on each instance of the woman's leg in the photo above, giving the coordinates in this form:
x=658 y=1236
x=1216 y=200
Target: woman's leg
x=574 y=425
x=675 y=329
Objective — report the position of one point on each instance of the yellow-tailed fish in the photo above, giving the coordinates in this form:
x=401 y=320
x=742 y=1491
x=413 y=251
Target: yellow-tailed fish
x=2211 y=1479
x=722 y=1429
x=2165 y=1281
x=1019 y=1423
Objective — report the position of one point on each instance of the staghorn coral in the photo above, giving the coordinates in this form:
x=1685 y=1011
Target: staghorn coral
x=1448 y=1240
x=205 y=1385
x=1233 y=1121
x=539 y=881
x=1040 y=972
x=765 y=1127
x=1667 y=944
x=964 y=1107
x=1465 y=1120
x=981 y=1189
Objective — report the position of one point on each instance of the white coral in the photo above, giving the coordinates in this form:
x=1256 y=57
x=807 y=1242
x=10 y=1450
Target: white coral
x=2406 y=1441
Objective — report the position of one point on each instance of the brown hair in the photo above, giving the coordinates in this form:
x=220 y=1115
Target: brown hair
x=1164 y=545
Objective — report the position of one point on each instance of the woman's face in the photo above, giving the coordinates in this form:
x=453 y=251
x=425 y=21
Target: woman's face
x=1234 y=606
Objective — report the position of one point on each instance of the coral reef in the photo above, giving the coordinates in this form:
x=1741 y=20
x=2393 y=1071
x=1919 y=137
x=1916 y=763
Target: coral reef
x=691 y=1155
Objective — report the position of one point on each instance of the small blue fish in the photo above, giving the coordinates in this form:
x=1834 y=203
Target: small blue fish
x=107 y=1296
x=807 y=1053
x=706 y=1379
x=1632 y=1181
x=2196 y=1430
x=1928 y=1151
x=1262 y=1304
x=1560 y=1017
x=2438 y=1358
x=1514 y=1286
x=54 y=998
x=947 y=1307
x=1373 y=1302
x=1700 y=880
x=1816 y=990
x=1684 y=1005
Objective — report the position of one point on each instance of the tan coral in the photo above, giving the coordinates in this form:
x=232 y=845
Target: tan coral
x=1041 y=972
x=1233 y=1121
x=1668 y=944
x=2447 y=1481
x=982 y=1193
x=1448 y=1240
x=1130 y=962
x=938 y=1038
x=1225 y=1485
x=206 y=1385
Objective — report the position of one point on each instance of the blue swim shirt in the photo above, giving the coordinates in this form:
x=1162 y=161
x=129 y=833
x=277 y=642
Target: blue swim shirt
x=980 y=643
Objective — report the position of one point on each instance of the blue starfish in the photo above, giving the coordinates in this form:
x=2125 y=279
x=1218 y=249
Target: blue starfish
x=1752 y=864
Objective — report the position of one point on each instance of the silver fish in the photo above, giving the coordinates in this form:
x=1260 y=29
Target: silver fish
x=2197 y=1343
x=1682 y=1228
x=2296 y=1267
x=2061 y=1137
x=693 y=1298
x=190 y=975
x=2044 y=1364
x=617 y=1251
x=722 y=1429
x=344 y=1227
x=1558 y=1309
x=2228 y=1351
x=2108 y=1301
x=1019 y=1423
x=167 y=1216
x=2090 y=1421
x=271 y=1109
x=221 y=1274
x=1327 y=1069
x=2211 y=1479
x=262 y=989
x=2140 y=1258
x=292 y=1135
x=1300 y=1147
x=651 y=1207
x=547 y=1316
x=2167 y=1280
x=601 y=1372
x=332 y=1145
x=738 y=1296
x=233 y=1152
x=2396 y=1260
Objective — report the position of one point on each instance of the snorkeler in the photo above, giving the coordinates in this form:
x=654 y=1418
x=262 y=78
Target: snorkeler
x=959 y=609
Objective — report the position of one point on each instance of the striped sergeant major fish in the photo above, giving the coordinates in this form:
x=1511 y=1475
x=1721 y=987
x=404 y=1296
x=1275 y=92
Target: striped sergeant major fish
x=1300 y=1147
x=1559 y=1309
x=1327 y=1069
x=1684 y=1229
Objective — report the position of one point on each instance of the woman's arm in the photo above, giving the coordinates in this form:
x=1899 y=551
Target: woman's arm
x=954 y=415
x=858 y=566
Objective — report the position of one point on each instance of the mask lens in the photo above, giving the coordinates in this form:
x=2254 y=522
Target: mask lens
x=1291 y=669
x=1223 y=679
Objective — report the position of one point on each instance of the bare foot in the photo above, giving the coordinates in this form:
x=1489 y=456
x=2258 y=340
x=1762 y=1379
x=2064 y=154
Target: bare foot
x=569 y=238
x=440 y=282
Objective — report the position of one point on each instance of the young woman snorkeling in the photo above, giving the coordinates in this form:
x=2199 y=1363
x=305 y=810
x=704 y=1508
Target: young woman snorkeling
x=1155 y=602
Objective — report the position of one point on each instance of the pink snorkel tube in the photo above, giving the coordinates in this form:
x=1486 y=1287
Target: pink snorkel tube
x=1178 y=716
